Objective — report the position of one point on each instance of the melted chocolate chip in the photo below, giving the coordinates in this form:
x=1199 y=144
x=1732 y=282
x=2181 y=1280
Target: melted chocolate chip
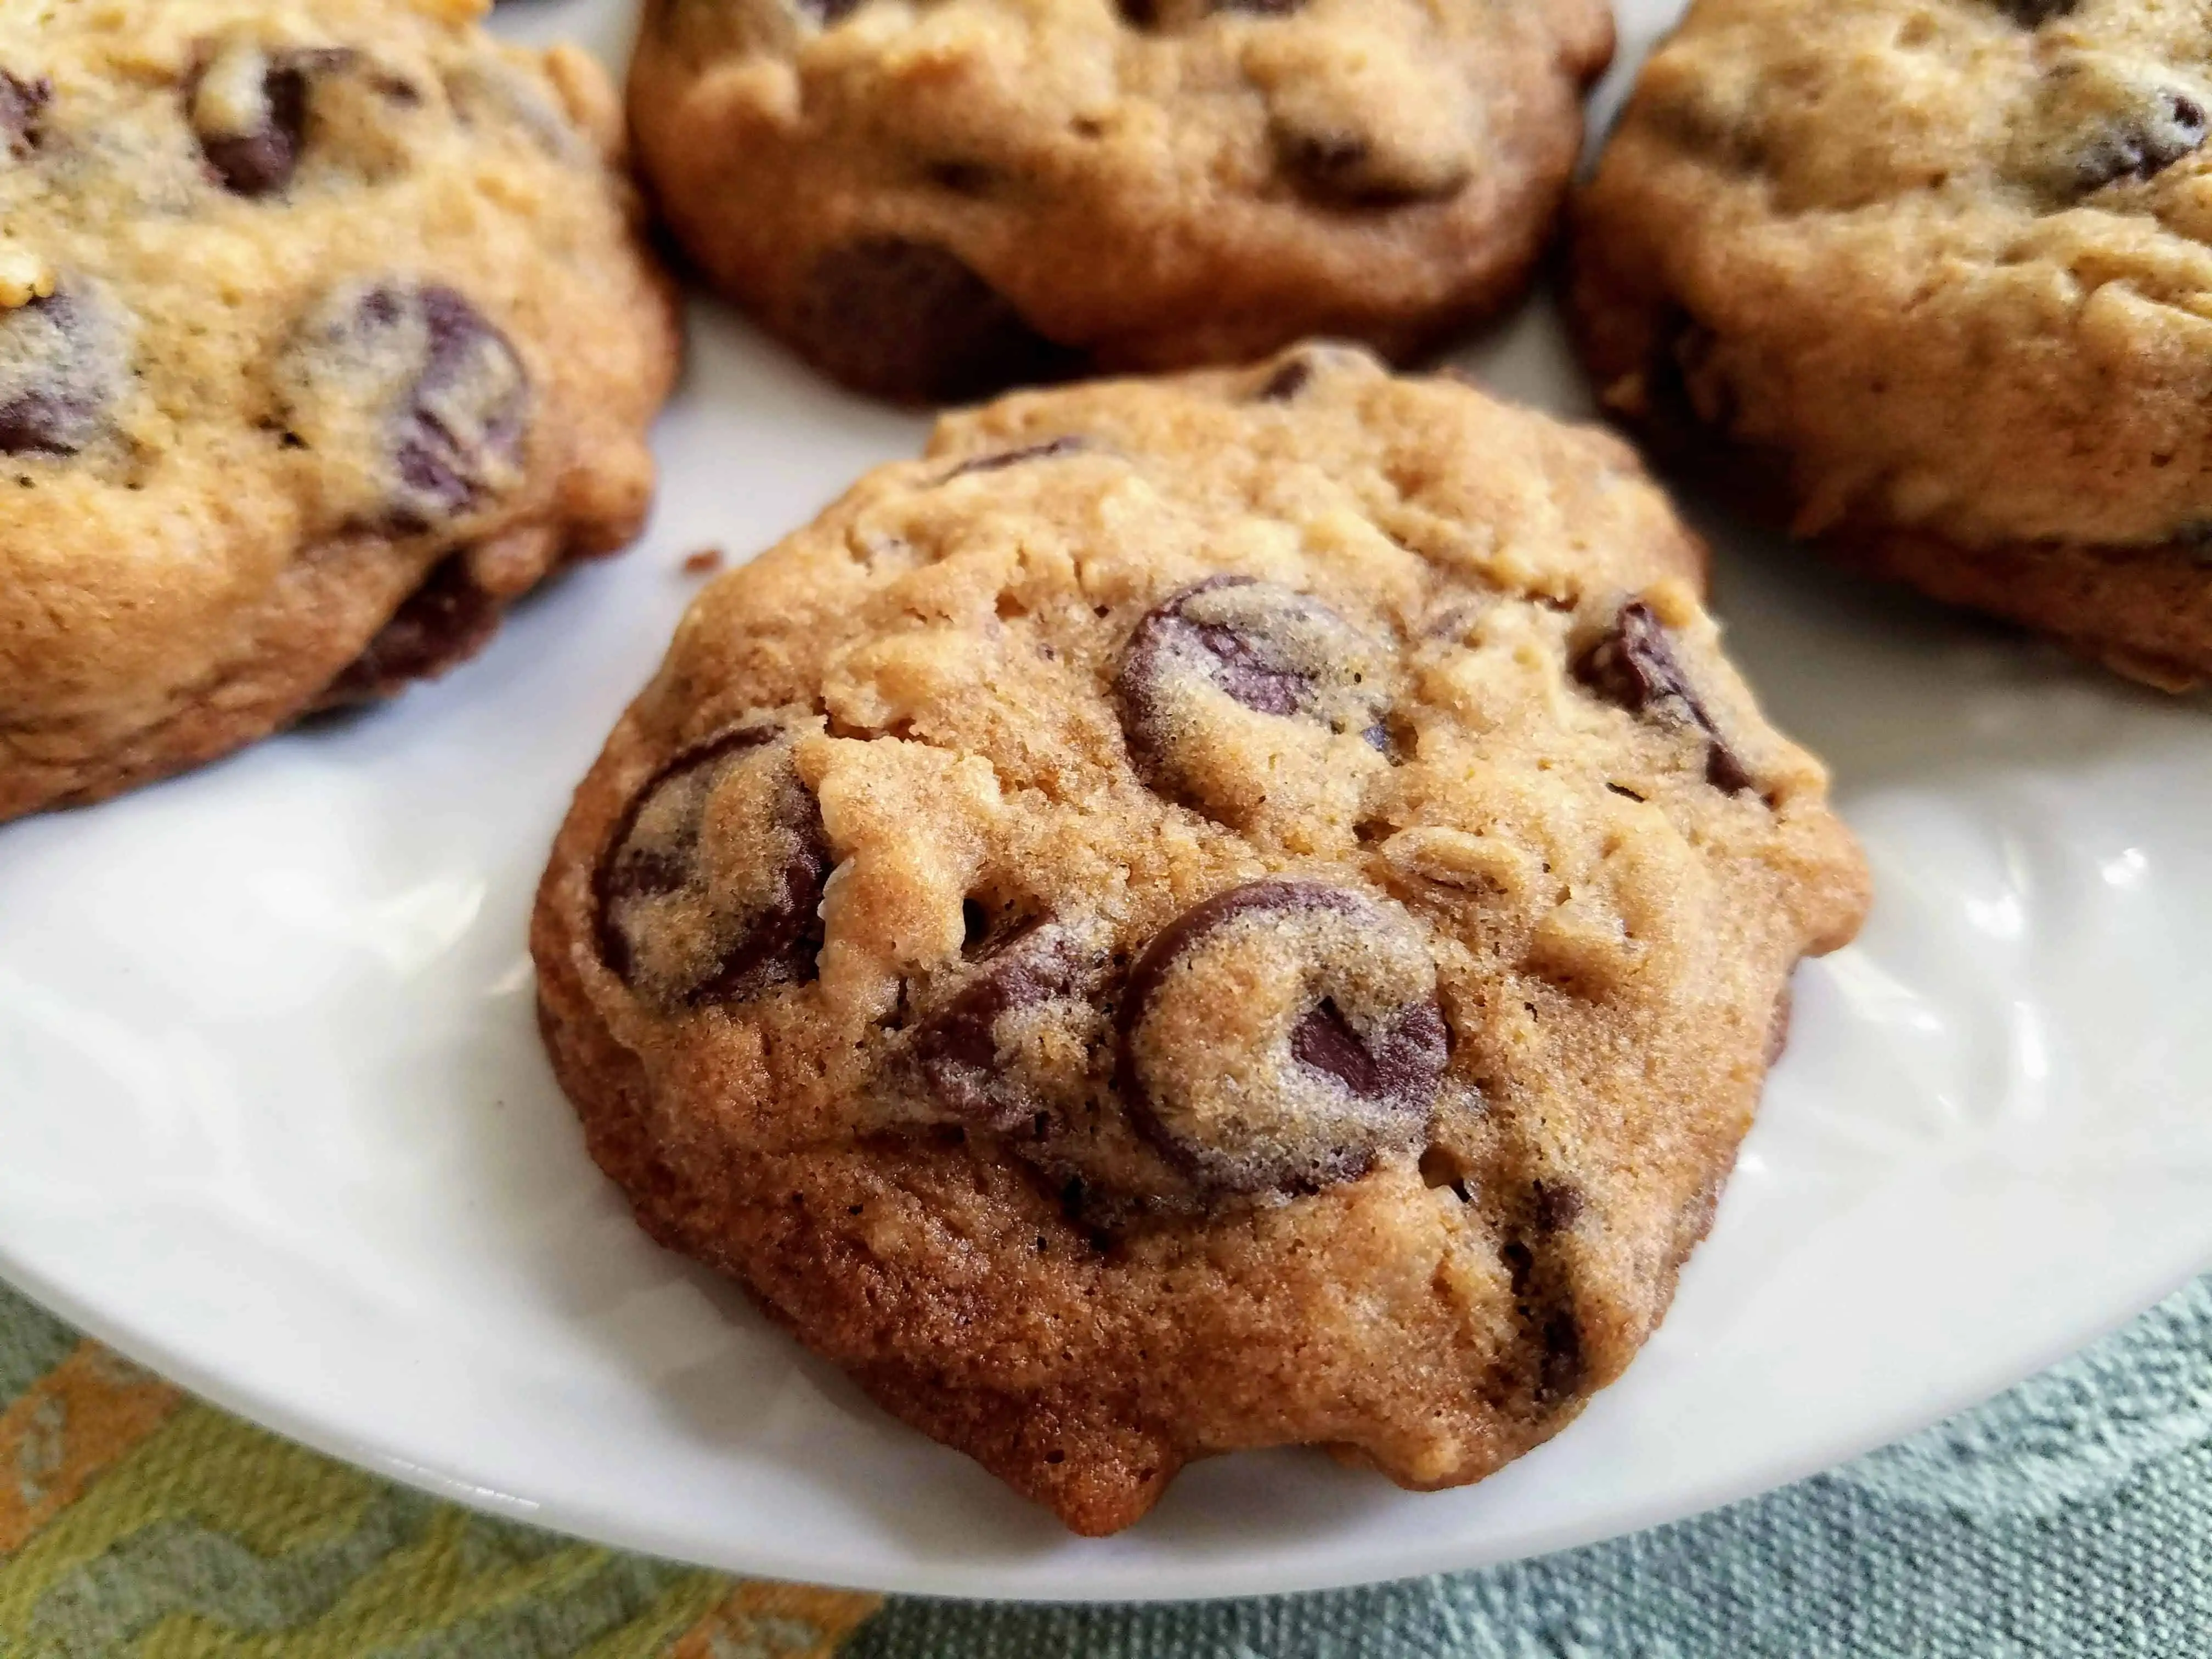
x=255 y=156
x=826 y=14
x=23 y=105
x=445 y=622
x=1559 y=1206
x=910 y=321
x=1151 y=14
x=1345 y=170
x=711 y=884
x=2141 y=143
x=1327 y=165
x=1007 y=458
x=1328 y=1051
x=1263 y=648
x=1635 y=666
x=964 y=178
x=1324 y=1041
x=62 y=366
x=262 y=163
x=1286 y=382
x=438 y=385
x=1563 y=1370
x=2033 y=14
x=1549 y=1318
x=956 y=1048
x=463 y=423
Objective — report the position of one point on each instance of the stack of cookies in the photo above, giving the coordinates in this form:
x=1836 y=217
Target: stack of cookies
x=1239 y=908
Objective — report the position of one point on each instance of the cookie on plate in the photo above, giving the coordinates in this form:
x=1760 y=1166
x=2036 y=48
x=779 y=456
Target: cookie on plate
x=935 y=202
x=325 y=331
x=1240 y=910
x=1931 y=281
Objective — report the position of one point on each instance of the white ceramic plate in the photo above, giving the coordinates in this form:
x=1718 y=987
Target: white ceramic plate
x=273 y=1116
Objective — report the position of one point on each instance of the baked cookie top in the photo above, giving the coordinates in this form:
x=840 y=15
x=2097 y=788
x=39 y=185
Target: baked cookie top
x=294 y=296
x=934 y=199
x=1946 y=257
x=1234 y=910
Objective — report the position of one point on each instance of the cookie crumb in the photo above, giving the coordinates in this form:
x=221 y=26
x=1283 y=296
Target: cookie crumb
x=705 y=563
x=24 y=276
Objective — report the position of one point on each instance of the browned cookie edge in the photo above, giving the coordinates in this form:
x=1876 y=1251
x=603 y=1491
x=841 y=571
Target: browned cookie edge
x=2144 y=612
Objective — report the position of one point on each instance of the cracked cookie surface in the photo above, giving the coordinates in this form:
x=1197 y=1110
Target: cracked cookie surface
x=1931 y=280
x=1200 y=913
x=325 y=331
x=932 y=201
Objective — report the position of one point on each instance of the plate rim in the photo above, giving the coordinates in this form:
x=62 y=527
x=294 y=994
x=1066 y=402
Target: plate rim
x=1137 y=1583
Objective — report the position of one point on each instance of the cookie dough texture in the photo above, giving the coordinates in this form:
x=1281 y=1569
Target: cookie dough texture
x=935 y=200
x=1199 y=915
x=324 y=331
x=1931 y=278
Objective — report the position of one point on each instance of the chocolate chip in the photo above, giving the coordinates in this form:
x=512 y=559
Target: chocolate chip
x=1559 y=1206
x=908 y=320
x=710 y=886
x=2141 y=143
x=1002 y=459
x=261 y=162
x=2097 y=120
x=959 y=1050
x=1326 y=164
x=1283 y=1035
x=1288 y=380
x=1635 y=666
x=1259 y=646
x=445 y=622
x=964 y=178
x=463 y=425
x=23 y=105
x=1548 y=1316
x=2033 y=14
x=62 y=367
x=1289 y=376
x=1242 y=663
x=1324 y=1039
x=827 y=13
x=250 y=110
x=1152 y=14
x=1563 y=1370
x=419 y=373
x=1345 y=170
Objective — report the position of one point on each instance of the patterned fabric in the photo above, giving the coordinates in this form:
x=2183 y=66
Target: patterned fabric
x=2070 y=1518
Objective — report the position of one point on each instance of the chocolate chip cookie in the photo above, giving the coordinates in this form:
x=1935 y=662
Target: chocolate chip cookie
x=1222 y=912
x=1929 y=280
x=934 y=203
x=325 y=331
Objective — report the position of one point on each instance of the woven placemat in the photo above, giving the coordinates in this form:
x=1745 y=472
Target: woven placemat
x=2070 y=1518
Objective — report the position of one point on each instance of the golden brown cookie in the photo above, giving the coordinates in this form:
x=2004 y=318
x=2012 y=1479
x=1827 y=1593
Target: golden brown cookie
x=1202 y=914
x=325 y=331
x=933 y=203
x=1930 y=282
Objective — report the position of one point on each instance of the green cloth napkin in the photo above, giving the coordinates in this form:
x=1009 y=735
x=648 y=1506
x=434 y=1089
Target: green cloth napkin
x=2071 y=1519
